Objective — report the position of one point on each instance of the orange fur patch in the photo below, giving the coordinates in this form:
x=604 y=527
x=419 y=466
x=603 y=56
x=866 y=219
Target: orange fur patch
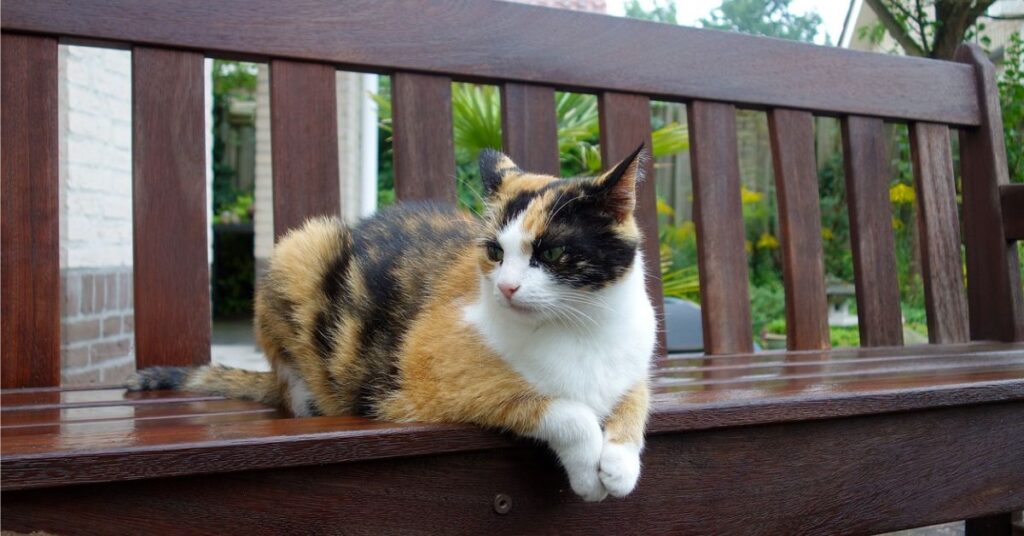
x=447 y=373
x=629 y=418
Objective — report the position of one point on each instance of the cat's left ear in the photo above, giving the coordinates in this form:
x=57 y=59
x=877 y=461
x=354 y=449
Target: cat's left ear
x=617 y=188
x=494 y=167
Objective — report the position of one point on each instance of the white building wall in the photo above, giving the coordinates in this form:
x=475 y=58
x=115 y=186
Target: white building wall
x=96 y=157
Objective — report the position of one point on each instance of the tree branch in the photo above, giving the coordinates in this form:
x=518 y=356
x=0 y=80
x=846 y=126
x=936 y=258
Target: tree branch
x=895 y=29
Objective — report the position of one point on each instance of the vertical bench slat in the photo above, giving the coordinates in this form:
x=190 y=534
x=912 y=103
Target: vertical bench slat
x=625 y=123
x=939 y=226
x=993 y=268
x=529 y=128
x=172 y=281
x=422 y=137
x=30 y=258
x=304 y=143
x=803 y=264
x=867 y=169
x=718 y=215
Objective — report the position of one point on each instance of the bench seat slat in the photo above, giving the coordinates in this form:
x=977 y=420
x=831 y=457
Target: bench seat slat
x=866 y=160
x=803 y=261
x=718 y=216
x=17 y=419
x=942 y=269
x=529 y=127
x=817 y=376
x=128 y=426
x=172 y=280
x=151 y=450
x=304 y=143
x=422 y=137
x=30 y=232
x=625 y=123
x=113 y=396
x=836 y=366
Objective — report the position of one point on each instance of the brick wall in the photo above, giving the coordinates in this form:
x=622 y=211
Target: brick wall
x=97 y=325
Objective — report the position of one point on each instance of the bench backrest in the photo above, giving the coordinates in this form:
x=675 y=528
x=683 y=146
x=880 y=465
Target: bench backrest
x=529 y=52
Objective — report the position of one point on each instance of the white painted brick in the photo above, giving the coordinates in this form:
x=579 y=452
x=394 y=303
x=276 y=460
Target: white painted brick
x=97 y=168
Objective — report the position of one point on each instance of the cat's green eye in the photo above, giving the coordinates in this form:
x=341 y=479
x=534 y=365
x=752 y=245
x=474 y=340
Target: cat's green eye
x=552 y=254
x=495 y=253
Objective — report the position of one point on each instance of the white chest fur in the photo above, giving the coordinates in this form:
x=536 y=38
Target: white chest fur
x=593 y=360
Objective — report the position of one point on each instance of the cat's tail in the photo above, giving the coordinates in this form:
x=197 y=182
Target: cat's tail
x=210 y=380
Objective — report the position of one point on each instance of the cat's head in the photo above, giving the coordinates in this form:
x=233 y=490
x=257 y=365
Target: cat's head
x=551 y=243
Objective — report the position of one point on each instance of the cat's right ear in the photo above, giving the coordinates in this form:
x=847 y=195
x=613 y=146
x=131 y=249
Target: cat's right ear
x=494 y=167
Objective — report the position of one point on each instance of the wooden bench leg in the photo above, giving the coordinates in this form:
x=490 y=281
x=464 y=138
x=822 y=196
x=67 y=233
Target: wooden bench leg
x=993 y=525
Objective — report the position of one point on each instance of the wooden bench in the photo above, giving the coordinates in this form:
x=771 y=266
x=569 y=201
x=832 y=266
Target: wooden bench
x=809 y=440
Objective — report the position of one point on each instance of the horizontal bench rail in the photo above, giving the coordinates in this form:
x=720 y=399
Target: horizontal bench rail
x=565 y=49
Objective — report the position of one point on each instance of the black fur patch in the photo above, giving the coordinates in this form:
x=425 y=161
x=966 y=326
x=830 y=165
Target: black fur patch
x=489 y=173
x=332 y=287
x=595 y=255
x=408 y=245
x=156 y=378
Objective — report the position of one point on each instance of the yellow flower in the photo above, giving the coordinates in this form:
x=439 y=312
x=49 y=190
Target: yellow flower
x=901 y=194
x=897 y=224
x=767 y=241
x=749 y=196
x=664 y=209
x=826 y=234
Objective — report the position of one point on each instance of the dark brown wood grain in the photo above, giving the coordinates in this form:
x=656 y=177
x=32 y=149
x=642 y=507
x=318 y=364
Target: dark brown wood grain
x=718 y=216
x=939 y=225
x=625 y=123
x=529 y=130
x=803 y=262
x=304 y=143
x=94 y=414
x=172 y=281
x=994 y=525
x=86 y=399
x=994 y=294
x=422 y=137
x=504 y=41
x=199 y=438
x=858 y=475
x=866 y=160
x=29 y=230
x=1012 y=200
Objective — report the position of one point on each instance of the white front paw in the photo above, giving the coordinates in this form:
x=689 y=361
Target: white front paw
x=587 y=484
x=620 y=468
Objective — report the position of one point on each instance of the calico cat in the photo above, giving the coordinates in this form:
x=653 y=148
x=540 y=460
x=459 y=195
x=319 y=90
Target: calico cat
x=534 y=319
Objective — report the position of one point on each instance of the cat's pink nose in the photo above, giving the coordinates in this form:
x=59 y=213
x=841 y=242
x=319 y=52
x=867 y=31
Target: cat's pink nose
x=507 y=289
